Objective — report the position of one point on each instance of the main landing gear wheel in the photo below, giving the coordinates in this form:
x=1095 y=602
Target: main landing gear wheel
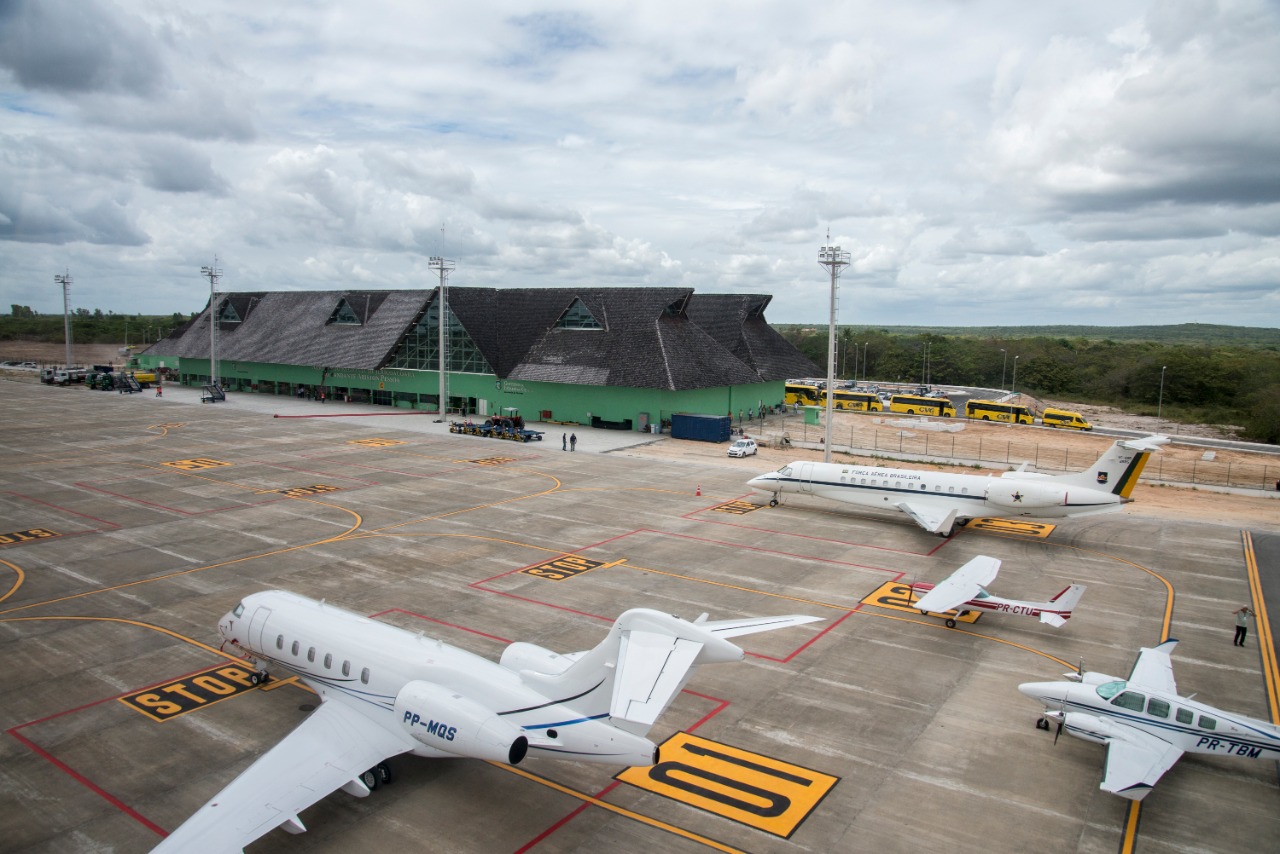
x=951 y=624
x=773 y=502
x=383 y=771
x=261 y=677
x=1041 y=723
x=370 y=779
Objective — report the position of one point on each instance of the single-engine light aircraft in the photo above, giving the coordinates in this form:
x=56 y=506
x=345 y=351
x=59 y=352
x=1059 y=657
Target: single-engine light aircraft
x=385 y=691
x=1145 y=724
x=965 y=589
x=938 y=501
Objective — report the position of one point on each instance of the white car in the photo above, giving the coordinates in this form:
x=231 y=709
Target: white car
x=742 y=448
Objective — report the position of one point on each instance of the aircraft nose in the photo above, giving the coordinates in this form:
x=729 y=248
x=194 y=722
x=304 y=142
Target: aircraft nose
x=764 y=482
x=1044 y=692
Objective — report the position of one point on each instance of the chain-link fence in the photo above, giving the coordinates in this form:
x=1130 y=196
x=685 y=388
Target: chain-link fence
x=964 y=448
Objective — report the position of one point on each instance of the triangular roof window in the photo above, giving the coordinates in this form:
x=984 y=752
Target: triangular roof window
x=344 y=314
x=578 y=316
x=228 y=313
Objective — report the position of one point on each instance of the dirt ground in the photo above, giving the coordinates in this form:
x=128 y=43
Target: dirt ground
x=1260 y=510
x=48 y=353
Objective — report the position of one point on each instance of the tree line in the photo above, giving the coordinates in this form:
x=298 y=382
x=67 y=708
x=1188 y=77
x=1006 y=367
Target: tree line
x=88 y=326
x=1214 y=383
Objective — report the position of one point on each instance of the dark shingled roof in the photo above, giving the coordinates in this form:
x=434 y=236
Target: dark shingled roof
x=666 y=338
x=292 y=328
x=737 y=322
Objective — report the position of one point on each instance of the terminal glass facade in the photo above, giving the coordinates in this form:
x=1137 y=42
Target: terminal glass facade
x=420 y=349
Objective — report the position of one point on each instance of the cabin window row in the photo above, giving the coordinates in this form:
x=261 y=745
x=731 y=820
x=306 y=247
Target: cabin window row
x=1136 y=702
x=924 y=487
x=295 y=649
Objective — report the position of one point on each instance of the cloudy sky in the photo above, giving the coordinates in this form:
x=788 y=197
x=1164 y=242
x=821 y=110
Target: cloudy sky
x=982 y=162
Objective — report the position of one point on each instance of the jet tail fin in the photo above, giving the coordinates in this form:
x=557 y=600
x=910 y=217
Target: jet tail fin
x=644 y=662
x=1064 y=603
x=1118 y=469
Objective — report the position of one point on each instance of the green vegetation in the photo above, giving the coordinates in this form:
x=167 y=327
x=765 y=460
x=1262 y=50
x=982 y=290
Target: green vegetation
x=1211 y=374
x=88 y=327
x=1185 y=333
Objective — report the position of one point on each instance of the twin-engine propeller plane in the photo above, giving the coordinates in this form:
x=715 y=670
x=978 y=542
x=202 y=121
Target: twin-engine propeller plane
x=386 y=691
x=965 y=589
x=938 y=501
x=1144 y=722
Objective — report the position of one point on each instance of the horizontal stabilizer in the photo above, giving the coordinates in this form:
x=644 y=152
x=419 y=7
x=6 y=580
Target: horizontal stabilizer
x=751 y=625
x=1146 y=443
x=1052 y=619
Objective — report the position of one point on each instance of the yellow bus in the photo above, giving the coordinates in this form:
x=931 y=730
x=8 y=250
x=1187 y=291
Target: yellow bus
x=1064 y=418
x=856 y=401
x=803 y=394
x=993 y=410
x=914 y=404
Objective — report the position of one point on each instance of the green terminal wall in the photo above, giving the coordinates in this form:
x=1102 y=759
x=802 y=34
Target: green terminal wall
x=477 y=394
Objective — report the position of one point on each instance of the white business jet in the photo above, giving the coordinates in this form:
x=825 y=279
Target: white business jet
x=1145 y=724
x=386 y=691
x=938 y=501
x=966 y=588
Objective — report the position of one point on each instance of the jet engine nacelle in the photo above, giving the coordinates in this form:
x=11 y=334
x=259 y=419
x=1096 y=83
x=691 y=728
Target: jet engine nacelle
x=1017 y=494
x=529 y=656
x=444 y=720
x=1093 y=728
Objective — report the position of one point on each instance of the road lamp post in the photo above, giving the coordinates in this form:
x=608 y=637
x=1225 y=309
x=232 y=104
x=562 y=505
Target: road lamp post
x=1160 y=400
x=864 y=360
x=1013 y=386
x=65 y=280
x=835 y=260
x=213 y=273
x=1003 y=365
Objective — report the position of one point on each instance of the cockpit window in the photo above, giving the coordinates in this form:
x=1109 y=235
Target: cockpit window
x=1131 y=700
x=785 y=471
x=239 y=610
x=1110 y=689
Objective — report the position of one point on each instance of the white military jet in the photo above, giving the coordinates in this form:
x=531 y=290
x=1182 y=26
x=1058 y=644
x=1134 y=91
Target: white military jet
x=386 y=691
x=1145 y=724
x=938 y=501
x=965 y=588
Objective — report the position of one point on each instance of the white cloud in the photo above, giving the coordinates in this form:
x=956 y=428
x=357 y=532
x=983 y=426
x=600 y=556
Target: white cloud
x=1100 y=164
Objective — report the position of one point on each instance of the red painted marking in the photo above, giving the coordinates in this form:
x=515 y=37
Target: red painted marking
x=721 y=705
x=440 y=623
x=130 y=498
x=88 y=784
x=62 y=509
x=574 y=813
x=357 y=414
x=743 y=497
x=76 y=775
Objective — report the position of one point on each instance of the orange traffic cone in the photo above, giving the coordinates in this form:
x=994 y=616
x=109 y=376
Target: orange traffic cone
x=699 y=492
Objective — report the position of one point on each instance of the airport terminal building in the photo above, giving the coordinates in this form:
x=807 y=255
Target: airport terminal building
x=608 y=357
